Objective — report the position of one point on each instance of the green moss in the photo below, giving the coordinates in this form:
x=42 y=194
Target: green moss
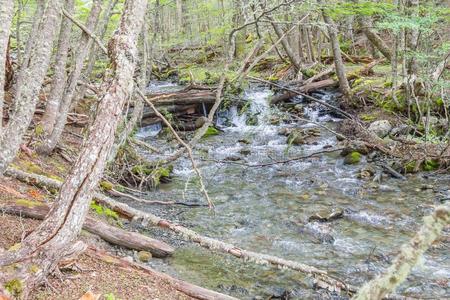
x=368 y=117
x=14 y=287
x=104 y=211
x=28 y=203
x=410 y=167
x=56 y=177
x=430 y=165
x=15 y=247
x=106 y=185
x=352 y=158
x=39 y=130
x=210 y=132
x=34 y=269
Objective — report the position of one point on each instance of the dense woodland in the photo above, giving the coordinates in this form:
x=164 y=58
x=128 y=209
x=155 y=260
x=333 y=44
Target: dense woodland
x=81 y=82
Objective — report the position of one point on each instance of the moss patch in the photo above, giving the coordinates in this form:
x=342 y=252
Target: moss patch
x=352 y=158
x=14 y=287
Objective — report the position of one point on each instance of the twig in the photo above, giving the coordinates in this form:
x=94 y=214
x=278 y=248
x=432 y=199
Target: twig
x=120 y=194
x=86 y=30
x=276 y=162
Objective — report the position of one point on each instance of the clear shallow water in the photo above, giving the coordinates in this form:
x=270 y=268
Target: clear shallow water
x=266 y=210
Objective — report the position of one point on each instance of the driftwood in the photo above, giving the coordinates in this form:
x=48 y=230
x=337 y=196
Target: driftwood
x=111 y=234
x=177 y=284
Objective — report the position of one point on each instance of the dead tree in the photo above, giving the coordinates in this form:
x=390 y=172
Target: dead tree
x=27 y=91
x=40 y=252
x=6 y=12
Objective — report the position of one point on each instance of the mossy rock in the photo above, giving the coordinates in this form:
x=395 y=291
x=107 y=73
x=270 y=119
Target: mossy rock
x=352 y=158
x=144 y=256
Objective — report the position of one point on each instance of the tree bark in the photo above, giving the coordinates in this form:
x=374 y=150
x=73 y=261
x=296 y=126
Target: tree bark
x=93 y=53
x=60 y=75
x=25 y=60
x=85 y=44
x=52 y=240
x=344 y=87
x=27 y=93
x=6 y=12
x=286 y=46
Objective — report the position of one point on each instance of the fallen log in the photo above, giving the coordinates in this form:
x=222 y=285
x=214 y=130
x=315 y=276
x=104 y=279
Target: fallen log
x=184 y=287
x=182 y=98
x=149 y=113
x=111 y=234
x=310 y=87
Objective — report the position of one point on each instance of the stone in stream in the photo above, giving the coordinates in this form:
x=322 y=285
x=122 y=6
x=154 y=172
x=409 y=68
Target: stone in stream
x=327 y=216
x=357 y=146
x=303 y=136
x=380 y=128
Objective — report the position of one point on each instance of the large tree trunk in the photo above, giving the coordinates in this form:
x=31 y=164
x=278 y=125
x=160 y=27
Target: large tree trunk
x=59 y=75
x=33 y=76
x=6 y=12
x=344 y=87
x=374 y=38
x=40 y=251
x=93 y=53
x=85 y=44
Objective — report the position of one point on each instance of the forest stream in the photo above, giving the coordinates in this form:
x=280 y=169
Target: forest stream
x=267 y=208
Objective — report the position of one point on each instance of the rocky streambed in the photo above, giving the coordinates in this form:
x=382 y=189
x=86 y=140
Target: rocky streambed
x=325 y=211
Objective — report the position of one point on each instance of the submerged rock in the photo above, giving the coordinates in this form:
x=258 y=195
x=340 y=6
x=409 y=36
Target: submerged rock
x=200 y=122
x=357 y=146
x=381 y=128
x=327 y=216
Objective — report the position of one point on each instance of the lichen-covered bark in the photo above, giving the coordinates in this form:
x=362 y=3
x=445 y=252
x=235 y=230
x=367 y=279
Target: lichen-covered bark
x=45 y=246
x=93 y=53
x=84 y=45
x=410 y=254
x=6 y=12
x=27 y=92
x=59 y=74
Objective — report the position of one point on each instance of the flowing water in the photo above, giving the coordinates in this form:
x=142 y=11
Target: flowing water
x=266 y=209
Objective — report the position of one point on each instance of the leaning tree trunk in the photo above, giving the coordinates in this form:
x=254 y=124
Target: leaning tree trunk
x=344 y=87
x=285 y=43
x=27 y=93
x=59 y=75
x=39 y=252
x=6 y=12
x=93 y=53
x=85 y=44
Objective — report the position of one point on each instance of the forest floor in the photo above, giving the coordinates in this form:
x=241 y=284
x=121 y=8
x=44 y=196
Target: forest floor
x=95 y=271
